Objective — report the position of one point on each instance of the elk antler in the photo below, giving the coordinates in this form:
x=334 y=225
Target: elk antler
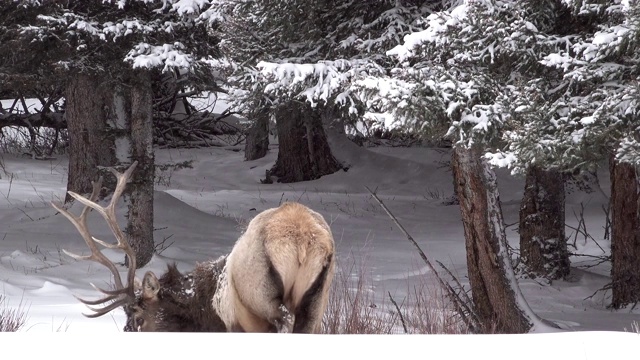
x=121 y=294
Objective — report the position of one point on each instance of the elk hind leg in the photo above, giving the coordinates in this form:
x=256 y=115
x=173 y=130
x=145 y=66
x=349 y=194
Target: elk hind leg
x=309 y=312
x=265 y=299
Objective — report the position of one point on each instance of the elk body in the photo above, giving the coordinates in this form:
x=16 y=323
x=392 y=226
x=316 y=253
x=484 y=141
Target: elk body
x=275 y=279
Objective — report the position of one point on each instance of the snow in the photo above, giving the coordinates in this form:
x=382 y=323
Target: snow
x=145 y=55
x=203 y=209
x=568 y=346
x=501 y=159
x=325 y=78
x=435 y=32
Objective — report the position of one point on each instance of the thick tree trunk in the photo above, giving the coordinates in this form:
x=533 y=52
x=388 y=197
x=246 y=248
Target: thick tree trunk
x=496 y=295
x=91 y=143
x=543 y=246
x=304 y=152
x=625 y=235
x=132 y=124
x=257 y=143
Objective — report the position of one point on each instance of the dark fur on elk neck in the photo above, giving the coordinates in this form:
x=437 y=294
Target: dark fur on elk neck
x=185 y=300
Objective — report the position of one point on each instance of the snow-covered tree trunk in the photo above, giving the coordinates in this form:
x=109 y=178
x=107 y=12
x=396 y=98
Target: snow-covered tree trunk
x=497 y=298
x=303 y=151
x=257 y=143
x=625 y=234
x=132 y=123
x=543 y=246
x=91 y=144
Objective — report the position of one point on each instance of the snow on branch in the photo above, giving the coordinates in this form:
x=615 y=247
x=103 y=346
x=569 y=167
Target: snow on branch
x=321 y=81
x=144 y=55
x=629 y=150
x=115 y=30
x=168 y=33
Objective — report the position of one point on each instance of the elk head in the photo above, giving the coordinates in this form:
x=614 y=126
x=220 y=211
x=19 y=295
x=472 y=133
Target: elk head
x=173 y=302
x=176 y=302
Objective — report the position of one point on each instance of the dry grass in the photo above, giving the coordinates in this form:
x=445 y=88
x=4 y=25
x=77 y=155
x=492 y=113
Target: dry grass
x=430 y=312
x=354 y=308
x=11 y=319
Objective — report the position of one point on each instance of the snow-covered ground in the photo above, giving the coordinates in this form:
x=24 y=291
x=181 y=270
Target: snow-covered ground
x=201 y=211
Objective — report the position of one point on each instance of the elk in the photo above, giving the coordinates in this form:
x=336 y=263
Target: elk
x=275 y=279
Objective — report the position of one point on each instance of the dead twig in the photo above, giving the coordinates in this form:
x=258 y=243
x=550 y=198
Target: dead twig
x=404 y=324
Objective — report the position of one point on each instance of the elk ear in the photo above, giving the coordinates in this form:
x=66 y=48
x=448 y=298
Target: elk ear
x=150 y=286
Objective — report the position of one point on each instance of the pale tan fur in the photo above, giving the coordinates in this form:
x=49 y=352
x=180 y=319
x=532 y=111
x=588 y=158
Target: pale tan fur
x=294 y=241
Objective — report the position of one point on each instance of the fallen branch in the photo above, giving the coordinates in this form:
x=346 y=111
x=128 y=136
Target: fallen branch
x=451 y=294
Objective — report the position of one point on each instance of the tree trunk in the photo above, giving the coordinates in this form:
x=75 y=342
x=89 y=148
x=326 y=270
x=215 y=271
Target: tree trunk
x=91 y=143
x=625 y=235
x=132 y=122
x=140 y=224
x=497 y=298
x=543 y=246
x=304 y=152
x=257 y=143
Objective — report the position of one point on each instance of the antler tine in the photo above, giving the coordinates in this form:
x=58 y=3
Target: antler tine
x=110 y=216
x=80 y=223
x=98 y=301
x=103 y=310
x=121 y=294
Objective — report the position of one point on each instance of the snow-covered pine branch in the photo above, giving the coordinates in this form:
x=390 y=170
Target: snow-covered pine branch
x=601 y=66
x=467 y=58
x=165 y=34
x=297 y=44
x=325 y=81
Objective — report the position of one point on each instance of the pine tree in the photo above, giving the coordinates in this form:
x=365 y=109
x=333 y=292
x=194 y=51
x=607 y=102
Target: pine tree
x=104 y=51
x=601 y=122
x=286 y=51
x=461 y=73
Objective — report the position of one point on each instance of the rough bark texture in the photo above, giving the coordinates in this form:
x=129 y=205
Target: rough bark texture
x=625 y=235
x=494 y=293
x=130 y=120
x=91 y=144
x=543 y=246
x=140 y=218
x=257 y=143
x=304 y=152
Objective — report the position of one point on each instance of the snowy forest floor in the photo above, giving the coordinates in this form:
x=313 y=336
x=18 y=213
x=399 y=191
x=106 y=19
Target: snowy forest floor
x=200 y=212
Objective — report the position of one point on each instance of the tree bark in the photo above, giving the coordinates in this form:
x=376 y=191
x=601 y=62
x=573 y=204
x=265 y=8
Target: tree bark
x=303 y=151
x=497 y=298
x=625 y=235
x=91 y=143
x=257 y=144
x=132 y=125
x=140 y=224
x=543 y=245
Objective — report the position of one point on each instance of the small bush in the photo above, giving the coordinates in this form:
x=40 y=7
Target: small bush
x=430 y=312
x=354 y=309
x=11 y=319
